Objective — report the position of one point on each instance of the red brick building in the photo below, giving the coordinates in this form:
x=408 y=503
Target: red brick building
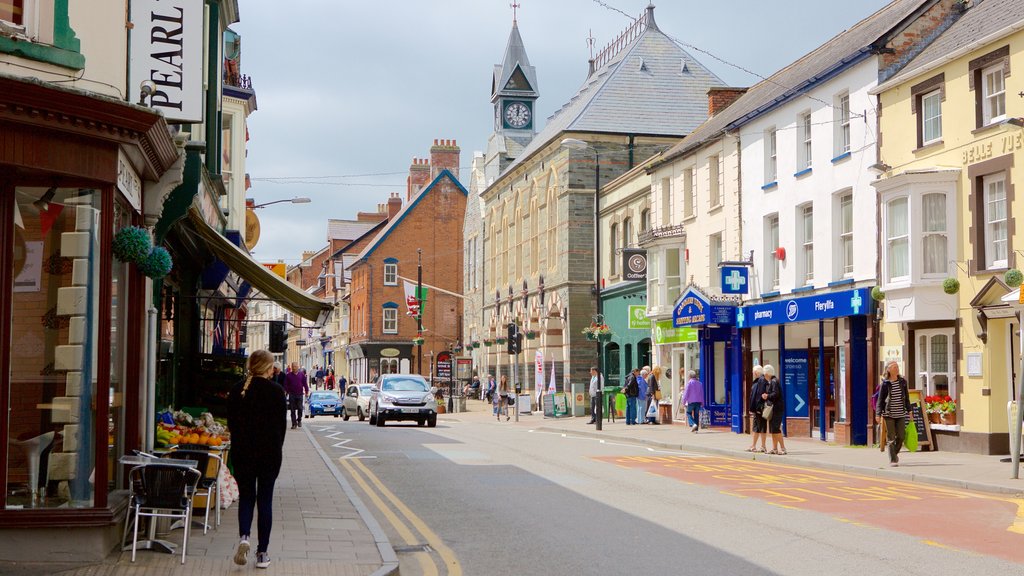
x=427 y=230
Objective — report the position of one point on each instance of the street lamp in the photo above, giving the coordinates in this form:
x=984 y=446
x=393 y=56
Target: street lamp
x=576 y=144
x=299 y=200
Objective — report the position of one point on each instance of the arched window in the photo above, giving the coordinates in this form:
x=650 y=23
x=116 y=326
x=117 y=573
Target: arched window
x=613 y=247
x=627 y=232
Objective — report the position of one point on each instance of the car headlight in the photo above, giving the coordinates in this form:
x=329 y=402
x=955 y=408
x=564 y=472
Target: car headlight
x=428 y=397
x=389 y=399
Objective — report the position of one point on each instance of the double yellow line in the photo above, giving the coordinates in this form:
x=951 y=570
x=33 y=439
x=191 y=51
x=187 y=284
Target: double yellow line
x=405 y=522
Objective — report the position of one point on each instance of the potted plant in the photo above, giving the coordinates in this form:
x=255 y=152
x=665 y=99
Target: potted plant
x=948 y=410
x=598 y=332
x=933 y=406
x=531 y=334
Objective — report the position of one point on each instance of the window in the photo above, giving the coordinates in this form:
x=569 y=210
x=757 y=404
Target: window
x=689 y=200
x=771 y=157
x=934 y=361
x=842 y=111
x=994 y=189
x=846 y=235
x=934 y=237
x=771 y=242
x=627 y=232
x=12 y=11
x=931 y=117
x=390 y=318
x=391 y=273
x=714 y=259
x=613 y=247
x=993 y=101
x=645 y=220
x=673 y=273
x=897 y=239
x=807 y=243
x=666 y=201
x=803 y=152
x=714 y=186
x=654 y=297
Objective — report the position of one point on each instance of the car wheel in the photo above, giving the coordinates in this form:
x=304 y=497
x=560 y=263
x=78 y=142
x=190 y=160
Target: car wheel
x=344 y=414
x=380 y=420
x=359 y=412
x=373 y=420
x=432 y=421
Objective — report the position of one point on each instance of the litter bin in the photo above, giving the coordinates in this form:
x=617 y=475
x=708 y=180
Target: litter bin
x=609 y=406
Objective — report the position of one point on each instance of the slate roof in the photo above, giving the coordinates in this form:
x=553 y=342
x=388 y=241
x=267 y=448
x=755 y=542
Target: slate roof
x=641 y=90
x=347 y=229
x=845 y=48
x=983 y=19
x=515 y=54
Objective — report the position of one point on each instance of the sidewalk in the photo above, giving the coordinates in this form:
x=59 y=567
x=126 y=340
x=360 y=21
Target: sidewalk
x=321 y=527
x=965 y=471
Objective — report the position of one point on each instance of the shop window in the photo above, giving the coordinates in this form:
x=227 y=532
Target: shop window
x=935 y=368
x=55 y=363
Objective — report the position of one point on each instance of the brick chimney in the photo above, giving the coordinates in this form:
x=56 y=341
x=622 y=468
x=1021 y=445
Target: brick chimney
x=720 y=97
x=444 y=155
x=419 y=177
x=394 y=204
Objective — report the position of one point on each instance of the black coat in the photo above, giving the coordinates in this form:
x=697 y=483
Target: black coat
x=883 y=395
x=257 y=422
x=774 y=390
x=755 y=403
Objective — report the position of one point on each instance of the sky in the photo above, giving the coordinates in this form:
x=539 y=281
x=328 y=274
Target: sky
x=350 y=91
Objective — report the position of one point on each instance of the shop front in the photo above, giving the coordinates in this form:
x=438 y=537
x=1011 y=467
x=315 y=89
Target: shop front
x=719 y=353
x=820 y=350
x=677 y=351
x=368 y=359
x=625 y=312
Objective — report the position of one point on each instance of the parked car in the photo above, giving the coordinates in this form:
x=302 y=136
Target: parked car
x=324 y=403
x=403 y=397
x=356 y=401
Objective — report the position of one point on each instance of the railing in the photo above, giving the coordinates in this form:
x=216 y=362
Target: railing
x=615 y=46
x=673 y=231
x=237 y=80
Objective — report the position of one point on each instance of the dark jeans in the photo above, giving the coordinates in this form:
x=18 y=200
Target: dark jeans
x=693 y=414
x=295 y=406
x=256 y=491
x=594 y=403
x=895 y=434
x=631 y=410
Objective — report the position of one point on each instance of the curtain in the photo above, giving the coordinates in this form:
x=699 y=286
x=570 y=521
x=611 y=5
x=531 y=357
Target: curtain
x=896 y=234
x=933 y=214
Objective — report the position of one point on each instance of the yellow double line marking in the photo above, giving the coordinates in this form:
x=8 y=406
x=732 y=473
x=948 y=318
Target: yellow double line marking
x=378 y=492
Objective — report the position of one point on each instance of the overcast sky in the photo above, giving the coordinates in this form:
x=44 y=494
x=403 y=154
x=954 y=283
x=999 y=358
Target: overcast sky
x=354 y=89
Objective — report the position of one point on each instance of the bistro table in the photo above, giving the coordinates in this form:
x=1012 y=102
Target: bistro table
x=151 y=542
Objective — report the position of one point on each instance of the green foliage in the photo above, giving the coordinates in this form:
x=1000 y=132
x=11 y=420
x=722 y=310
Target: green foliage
x=951 y=285
x=132 y=244
x=158 y=264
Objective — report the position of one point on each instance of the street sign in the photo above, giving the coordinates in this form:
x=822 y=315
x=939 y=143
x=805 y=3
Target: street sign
x=444 y=366
x=735 y=279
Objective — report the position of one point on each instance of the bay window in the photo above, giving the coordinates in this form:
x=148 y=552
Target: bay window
x=897 y=240
x=934 y=240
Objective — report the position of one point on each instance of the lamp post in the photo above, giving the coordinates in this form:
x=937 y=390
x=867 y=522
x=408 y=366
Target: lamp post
x=575 y=144
x=298 y=200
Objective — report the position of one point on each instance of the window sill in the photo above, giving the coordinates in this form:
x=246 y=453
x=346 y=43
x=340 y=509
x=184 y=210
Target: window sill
x=806 y=288
x=689 y=218
x=391 y=283
x=929 y=146
x=42 y=53
x=841 y=157
x=947 y=427
x=770 y=186
x=770 y=294
x=843 y=282
x=991 y=126
x=802 y=173
x=715 y=208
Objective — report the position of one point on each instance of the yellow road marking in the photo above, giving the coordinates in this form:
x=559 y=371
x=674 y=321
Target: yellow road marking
x=451 y=562
x=426 y=563
x=1018 y=522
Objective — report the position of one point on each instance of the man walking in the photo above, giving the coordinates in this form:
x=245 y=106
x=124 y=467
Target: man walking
x=297 y=387
x=596 y=384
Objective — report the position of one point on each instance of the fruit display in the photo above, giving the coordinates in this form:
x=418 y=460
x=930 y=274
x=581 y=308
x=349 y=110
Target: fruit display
x=184 y=429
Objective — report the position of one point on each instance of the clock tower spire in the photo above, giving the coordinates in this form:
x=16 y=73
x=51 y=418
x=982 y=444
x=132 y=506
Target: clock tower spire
x=514 y=87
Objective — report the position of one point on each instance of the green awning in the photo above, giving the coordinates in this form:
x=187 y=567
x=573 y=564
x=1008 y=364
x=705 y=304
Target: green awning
x=270 y=284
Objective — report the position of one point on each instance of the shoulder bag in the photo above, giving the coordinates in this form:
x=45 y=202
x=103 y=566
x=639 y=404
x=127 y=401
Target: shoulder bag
x=766 y=413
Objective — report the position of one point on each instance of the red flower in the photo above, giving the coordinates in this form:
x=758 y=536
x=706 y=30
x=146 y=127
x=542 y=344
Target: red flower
x=947 y=399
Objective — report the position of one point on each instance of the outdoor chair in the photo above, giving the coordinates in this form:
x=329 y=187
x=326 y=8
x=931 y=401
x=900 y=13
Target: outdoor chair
x=209 y=465
x=161 y=491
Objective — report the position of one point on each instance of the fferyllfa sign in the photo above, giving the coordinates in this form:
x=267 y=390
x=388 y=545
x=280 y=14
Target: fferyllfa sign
x=167 y=50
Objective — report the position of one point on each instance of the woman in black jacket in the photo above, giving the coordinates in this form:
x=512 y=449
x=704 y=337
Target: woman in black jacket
x=773 y=393
x=894 y=406
x=755 y=404
x=256 y=419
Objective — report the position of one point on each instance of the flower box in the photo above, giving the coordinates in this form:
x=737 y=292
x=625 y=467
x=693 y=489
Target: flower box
x=532 y=334
x=500 y=341
x=488 y=343
x=417 y=341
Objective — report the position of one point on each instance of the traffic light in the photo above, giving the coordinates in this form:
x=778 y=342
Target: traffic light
x=278 y=336
x=515 y=339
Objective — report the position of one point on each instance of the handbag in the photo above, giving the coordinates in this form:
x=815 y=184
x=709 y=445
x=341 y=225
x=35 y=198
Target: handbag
x=657 y=394
x=766 y=413
x=911 y=439
x=511 y=400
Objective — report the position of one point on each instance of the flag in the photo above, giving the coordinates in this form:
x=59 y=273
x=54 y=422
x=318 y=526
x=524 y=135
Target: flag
x=539 y=374
x=414 y=302
x=551 y=385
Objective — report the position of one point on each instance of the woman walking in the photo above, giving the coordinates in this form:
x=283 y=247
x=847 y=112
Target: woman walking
x=503 y=398
x=773 y=393
x=653 y=394
x=756 y=405
x=693 y=398
x=256 y=418
x=894 y=407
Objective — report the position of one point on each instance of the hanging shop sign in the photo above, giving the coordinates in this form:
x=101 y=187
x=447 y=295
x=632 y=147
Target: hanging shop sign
x=734 y=279
x=694 y=309
x=665 y=333
x=634 y=264
x=638 y=319
x=820 y=307
x=167 y=52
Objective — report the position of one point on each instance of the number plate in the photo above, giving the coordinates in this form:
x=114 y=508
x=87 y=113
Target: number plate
x=328 y=408
x=411 y=410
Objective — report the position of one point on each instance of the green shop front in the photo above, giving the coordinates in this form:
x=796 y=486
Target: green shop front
x=625 y=312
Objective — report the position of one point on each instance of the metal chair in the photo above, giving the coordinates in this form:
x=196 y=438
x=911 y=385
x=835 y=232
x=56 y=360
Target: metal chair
x=209 y=464
x=161 y=491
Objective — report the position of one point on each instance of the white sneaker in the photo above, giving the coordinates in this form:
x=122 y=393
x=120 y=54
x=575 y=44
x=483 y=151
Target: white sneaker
x=242 y=552
x=693 y=428
x=262 y=560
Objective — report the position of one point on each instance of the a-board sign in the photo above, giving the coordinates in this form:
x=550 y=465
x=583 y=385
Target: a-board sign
x=924 y=428
x=556 y=405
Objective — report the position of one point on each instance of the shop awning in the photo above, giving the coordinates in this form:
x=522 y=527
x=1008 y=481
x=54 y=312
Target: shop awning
x=269 y=284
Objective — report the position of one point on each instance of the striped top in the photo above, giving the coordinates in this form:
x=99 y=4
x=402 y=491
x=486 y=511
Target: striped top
x=896 y=406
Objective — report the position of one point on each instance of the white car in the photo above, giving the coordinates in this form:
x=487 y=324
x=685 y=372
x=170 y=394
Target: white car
x=403 y=397
x=357 y=401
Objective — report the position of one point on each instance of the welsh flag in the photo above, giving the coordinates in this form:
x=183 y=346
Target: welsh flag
x=414 y=301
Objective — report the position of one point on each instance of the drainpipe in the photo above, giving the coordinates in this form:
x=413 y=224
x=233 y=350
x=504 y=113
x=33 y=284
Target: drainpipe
x=213 y=65
x=152 y=317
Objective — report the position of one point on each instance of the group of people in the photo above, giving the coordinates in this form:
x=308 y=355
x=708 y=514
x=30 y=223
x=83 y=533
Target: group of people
x=767 y=399
x=497 y=394
x=642 y=389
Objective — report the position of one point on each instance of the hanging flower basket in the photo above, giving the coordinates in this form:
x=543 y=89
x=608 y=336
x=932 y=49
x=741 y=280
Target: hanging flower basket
x=417 y=341
x=158 y=264
x=605 y=337
x=950 y=285
x=476 y=344
x=132 y=244
x=501 y=341
x=488 y=343
x=598 y=332
x=531 y=334
x=877 y=295
x=1013 y=277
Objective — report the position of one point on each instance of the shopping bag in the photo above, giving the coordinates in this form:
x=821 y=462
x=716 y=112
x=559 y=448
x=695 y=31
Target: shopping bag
x=652 y=410
x=911 y=440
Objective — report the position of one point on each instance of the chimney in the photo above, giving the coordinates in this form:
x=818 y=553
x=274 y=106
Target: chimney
x=720 y=97
x=394 y=205
x=419 y=177
x=444 y=155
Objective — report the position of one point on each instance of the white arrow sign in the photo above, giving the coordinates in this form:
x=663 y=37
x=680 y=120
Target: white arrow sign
x=800 y=403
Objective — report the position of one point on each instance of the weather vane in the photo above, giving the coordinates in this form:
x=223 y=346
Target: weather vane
x=515 y=6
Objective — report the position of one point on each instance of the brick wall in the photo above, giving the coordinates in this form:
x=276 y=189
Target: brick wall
x=910 y=41
x=719 y=98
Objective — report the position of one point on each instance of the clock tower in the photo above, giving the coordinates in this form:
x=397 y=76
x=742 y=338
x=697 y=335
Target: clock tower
x=514 y=90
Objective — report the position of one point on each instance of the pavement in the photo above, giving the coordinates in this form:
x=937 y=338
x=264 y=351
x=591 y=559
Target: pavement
x=321 y=527
x=975 y=472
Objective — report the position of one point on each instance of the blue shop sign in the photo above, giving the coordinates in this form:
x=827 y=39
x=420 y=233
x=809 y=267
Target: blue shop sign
x=693 y=309
x=821 y=307
x=734 y=279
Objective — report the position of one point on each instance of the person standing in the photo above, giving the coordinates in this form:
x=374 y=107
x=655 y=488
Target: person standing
x=297 y=388
x=492 y=390
x=755 y=405
x=894 y=407
x=641 y=397
x=503 y=398
x=632 y=391
x=773 y=393
x=278 y=377
x=596 y=384
x=256 y=409
x=693 y=398
x=653 y=389
x=329 y=379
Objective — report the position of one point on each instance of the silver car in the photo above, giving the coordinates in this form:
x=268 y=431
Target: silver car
x=357 y=401
x=403 y=397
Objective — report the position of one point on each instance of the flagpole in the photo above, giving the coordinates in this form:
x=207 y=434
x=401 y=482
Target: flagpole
x=419 y=311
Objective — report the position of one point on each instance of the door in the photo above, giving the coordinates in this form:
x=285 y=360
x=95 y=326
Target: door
x=815 y=392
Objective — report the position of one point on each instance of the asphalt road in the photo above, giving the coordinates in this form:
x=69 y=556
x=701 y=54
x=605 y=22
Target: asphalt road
x=480 y=497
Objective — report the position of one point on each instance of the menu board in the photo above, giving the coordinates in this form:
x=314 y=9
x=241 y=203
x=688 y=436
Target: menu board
x=924 y=428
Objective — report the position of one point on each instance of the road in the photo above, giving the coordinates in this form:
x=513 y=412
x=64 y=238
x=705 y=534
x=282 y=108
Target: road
x=479 y=497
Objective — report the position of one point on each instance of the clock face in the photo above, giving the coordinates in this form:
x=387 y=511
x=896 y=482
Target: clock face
x=517 y=115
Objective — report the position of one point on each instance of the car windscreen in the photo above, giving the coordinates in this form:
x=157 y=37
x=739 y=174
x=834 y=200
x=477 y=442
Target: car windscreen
x=365 y=390
x=404 y=385
x=322 y=397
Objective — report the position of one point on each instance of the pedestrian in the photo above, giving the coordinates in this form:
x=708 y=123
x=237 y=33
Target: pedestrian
x=492 y=389
x=632 y=391
x=278 y=376
x=329 y=379
x=596 y=384
x=256 y=412
x=894 y=408
x=321 y=376
x=653 y=393
x=297 y=388
x=641 y=399
x=773 y=393
x=693 y=398
x=755 y=405
x=503 y=398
